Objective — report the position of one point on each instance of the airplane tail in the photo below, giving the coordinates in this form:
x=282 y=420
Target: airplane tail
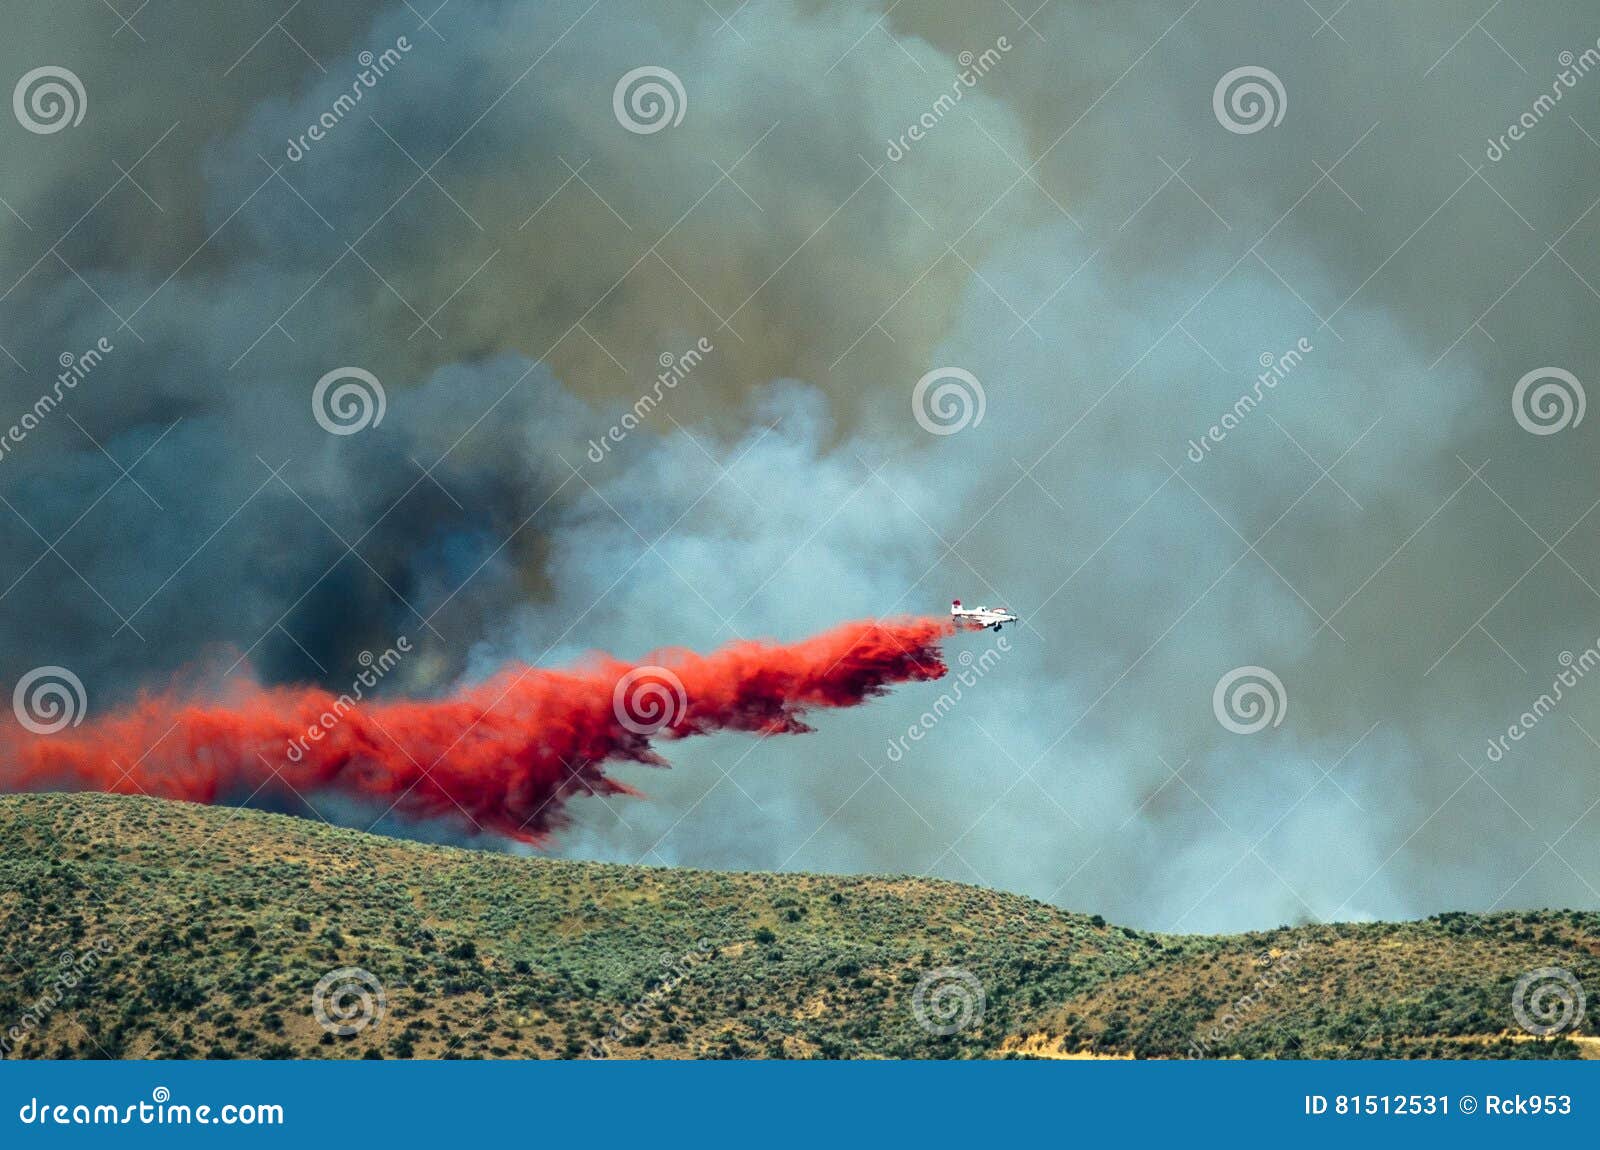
x=955 y=606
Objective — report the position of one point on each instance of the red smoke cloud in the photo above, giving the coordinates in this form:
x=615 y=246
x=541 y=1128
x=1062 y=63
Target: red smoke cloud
x=506 y=753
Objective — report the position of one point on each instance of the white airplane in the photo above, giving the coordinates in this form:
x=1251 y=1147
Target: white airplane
x=980 y=617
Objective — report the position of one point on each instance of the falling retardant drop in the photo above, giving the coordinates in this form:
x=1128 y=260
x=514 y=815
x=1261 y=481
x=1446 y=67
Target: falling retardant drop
x=505 y=754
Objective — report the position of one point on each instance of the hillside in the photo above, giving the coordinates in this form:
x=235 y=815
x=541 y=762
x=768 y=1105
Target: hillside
x=134 y=928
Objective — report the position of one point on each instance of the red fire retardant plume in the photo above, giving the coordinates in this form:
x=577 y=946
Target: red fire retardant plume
x=506 y=753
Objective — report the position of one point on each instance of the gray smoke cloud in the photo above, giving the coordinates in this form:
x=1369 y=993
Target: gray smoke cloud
x=1080 y=231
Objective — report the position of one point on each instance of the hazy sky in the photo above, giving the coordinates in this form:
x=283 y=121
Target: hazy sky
x=1128 y=211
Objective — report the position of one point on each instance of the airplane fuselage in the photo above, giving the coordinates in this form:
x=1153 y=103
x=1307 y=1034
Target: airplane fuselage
x=991 y=618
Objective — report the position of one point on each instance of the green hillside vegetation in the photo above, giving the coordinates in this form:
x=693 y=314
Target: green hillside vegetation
x=137 y=928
